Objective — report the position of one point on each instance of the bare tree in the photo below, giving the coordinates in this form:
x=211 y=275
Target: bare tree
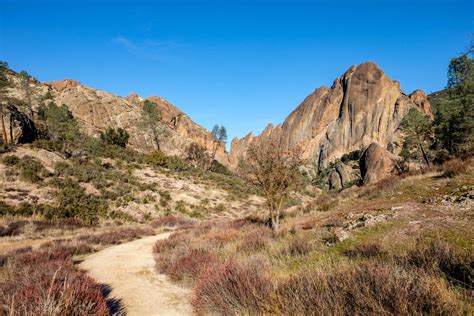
x=197 y=155
x=4 y=83
x=275 y=170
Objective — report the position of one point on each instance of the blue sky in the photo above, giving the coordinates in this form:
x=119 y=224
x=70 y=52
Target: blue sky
x=243 y=64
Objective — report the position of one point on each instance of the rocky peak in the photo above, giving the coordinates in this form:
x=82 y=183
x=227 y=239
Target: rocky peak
x=133 y=98
x=420 y=99
x=362 y=107
x=62 y=85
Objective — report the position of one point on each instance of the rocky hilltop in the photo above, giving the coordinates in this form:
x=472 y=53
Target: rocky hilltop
x=96 y=110
x=362 y=107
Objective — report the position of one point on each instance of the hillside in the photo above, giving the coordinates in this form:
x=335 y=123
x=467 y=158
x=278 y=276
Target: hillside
x=96 y=110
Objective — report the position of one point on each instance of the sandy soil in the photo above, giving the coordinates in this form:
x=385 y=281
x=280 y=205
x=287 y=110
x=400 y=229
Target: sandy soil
x=129 y=270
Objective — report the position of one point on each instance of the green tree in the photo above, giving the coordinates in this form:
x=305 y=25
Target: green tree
x=151 y=121
x=114 y=136
x=28 y=90
x=418 y=134
x=454 y=117
x=61 y=128
x=219 y=134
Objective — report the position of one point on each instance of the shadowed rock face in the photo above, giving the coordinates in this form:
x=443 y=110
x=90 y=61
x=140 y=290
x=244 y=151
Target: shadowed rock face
x=19 y=128
x=363 y=106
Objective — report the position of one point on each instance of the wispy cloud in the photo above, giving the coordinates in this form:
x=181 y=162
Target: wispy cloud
x=150 y=49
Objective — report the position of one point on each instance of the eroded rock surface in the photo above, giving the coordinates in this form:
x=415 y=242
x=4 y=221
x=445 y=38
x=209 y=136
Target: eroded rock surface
x=362 y=107
x=377 y=163
x=97 y=110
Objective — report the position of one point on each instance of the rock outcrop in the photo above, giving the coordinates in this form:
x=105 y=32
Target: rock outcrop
x=17 y=127
x=363 y=106
x=95 y=110
x=377 y=163
x=420 y=99
x=340 y=176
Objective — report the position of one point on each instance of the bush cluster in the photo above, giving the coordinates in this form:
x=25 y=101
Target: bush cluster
x=159 y=159
x=46 y=282
x=240 y=268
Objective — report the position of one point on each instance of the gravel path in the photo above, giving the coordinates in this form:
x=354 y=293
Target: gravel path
x=129 y=270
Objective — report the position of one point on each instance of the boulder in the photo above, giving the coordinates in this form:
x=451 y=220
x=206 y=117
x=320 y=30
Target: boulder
x=377 y=163
x=334 y=180
x=340 y=176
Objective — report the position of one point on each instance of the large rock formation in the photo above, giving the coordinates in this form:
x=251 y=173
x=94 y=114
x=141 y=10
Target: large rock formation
x=363 y=106
x=96 y=110
x=377 y=163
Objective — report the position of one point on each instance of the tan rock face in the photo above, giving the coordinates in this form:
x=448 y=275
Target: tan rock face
x=377 y=163
x=363 y=106
x=421 y=100
x=63 y=84
x=96 y=110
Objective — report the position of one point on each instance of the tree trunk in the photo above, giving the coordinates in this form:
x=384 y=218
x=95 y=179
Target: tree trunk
x=425 y=156
x=276 y=224
x=156 y=139
x=4 y=131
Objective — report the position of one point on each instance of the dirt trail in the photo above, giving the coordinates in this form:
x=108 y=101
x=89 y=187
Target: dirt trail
x=129 y=269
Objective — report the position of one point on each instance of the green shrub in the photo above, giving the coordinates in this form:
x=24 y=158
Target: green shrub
x=10 y=160
x=31 y=170
x=75 y=202
x=181 y=206
x=352 y=156
x=165 y=197
x=97 y=148
x=217 y=167
x=159 y=159
x=118 y=137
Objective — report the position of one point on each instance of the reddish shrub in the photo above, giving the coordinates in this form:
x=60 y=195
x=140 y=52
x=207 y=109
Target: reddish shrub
x=171 y=242
x=12 y=229
x=47 y=283
x=232 y=289
x=4 y=257
x=255 y=240
x=368 y=250
x=190 y=265
x=221 y=237
x=299 y=246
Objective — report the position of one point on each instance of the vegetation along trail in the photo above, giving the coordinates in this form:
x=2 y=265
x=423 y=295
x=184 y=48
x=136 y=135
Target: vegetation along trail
x=129 y=269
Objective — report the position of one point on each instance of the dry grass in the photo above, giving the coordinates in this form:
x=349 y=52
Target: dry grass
x=454 y=168
x=360 y=289
x=230 y=288
x=394 y=267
